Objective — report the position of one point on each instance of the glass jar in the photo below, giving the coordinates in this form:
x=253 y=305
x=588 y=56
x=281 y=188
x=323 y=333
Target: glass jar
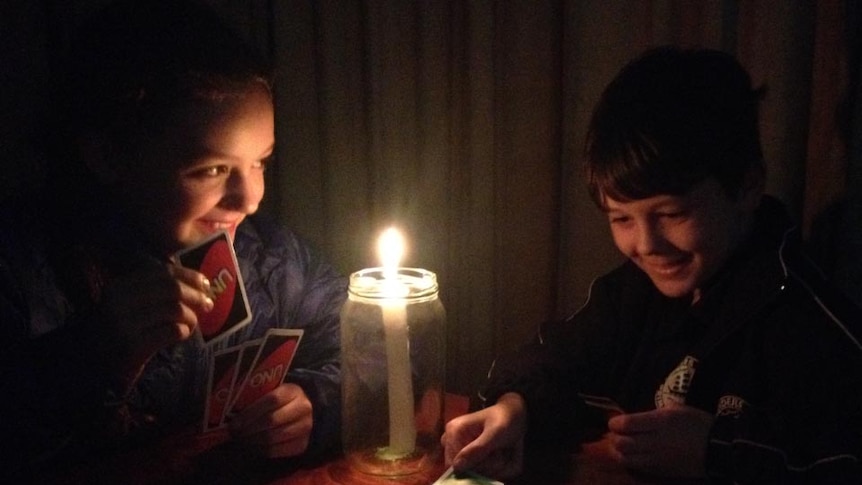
x=393 y=363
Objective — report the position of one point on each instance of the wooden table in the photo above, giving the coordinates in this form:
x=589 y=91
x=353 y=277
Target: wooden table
x=228 y=465
x=589 y=466
x=212 y=459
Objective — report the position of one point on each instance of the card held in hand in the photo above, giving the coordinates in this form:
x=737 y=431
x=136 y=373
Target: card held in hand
x=269 y=368
x=604 y=403
x=222 y=375
x=247 y=356
x=216 y=259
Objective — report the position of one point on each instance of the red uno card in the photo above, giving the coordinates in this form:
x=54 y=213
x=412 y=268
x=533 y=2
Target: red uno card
x=216 y=259
x=248 y=354
x=222 y=375
x=269 y=368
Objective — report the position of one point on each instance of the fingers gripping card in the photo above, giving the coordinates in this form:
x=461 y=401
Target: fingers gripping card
x=216 y=259
x=269 y=367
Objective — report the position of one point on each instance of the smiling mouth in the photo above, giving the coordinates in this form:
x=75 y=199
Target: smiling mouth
x=217 y=226
x=667 y=269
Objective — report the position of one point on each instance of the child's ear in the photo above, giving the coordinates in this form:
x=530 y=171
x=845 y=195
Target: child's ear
x=753 y=186
x=96 y=152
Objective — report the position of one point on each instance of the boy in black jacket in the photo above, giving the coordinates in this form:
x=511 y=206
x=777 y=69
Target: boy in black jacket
x=729 y=355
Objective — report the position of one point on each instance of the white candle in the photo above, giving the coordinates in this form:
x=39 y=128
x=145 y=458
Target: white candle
x=402 y=428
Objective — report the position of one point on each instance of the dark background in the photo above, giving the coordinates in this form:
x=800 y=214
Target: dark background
x=462 y=122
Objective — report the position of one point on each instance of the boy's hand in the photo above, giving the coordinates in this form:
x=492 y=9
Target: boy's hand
x=490 y=441
x=670 y=441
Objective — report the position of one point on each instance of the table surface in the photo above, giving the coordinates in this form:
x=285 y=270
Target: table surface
x=213 y=459
x=227 y=466
x=590 y=465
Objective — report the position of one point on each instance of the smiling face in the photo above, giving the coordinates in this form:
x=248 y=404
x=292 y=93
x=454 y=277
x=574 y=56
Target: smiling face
x=205 y=173
x=680 y=242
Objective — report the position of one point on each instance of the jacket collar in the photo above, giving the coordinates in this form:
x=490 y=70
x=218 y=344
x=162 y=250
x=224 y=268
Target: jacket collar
x=752 y=278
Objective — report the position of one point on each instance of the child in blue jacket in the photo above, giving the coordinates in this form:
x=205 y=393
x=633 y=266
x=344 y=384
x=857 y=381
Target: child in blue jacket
x=168 y=125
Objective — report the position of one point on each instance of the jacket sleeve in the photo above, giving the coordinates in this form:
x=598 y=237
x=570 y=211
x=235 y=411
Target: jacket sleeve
x=53 y=387
x=795 y=413
x=313 y=292
x=548 y=372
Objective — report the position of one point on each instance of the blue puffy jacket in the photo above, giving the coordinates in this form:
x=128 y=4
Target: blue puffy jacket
x=57 y=399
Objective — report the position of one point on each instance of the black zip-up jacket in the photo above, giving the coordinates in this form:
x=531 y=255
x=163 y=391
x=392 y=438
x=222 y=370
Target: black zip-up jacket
x=770 y=349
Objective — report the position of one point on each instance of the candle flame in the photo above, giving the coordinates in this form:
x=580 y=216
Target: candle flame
x=390 y=250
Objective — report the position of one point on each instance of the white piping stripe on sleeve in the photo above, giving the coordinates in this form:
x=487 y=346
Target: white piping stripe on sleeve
x=584 y=305
x=821 y=461
x=837 y=321
x=781 y=251
x=482 y=396
x=826 y=310
x=540 y=336
x=587 y=301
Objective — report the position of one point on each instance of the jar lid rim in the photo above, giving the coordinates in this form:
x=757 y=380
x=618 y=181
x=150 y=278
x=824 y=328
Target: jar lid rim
x=371 y=283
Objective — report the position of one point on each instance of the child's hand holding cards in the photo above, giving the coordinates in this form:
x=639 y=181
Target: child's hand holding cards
x=242 y=374
x=268 y=369
x=216 y=259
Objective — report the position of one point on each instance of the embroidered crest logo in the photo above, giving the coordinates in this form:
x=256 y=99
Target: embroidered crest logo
x=675 y=387
x=730 y=405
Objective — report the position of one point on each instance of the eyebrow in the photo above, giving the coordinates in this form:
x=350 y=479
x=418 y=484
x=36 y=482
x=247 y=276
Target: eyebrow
x=206 y=153
x=662 y=205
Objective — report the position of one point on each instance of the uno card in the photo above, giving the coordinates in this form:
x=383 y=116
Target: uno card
x=216 y=259
x=222 y=375
x=248 y=354
x=606 y=404
x=450 y=477
x=269 y=368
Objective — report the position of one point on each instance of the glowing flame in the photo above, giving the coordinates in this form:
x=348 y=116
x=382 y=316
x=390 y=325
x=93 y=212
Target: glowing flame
x=390 y=248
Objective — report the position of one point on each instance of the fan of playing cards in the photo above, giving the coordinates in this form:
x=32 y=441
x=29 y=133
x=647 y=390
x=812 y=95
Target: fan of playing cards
x=240 y=374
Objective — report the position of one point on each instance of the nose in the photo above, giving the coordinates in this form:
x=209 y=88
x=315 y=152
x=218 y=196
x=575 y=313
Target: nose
x=649 y=238
x=243 y=191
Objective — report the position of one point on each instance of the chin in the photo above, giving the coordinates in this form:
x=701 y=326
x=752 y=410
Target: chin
x=673 y=289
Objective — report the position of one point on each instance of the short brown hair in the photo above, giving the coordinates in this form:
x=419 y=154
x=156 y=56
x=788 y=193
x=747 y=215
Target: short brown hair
x=670 y=119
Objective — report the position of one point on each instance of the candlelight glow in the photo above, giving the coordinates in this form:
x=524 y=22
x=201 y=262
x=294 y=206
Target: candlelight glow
x=390 y=248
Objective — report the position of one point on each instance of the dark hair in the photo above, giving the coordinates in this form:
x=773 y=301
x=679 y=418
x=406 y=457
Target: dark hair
x=139 y=66
x=670 y=119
